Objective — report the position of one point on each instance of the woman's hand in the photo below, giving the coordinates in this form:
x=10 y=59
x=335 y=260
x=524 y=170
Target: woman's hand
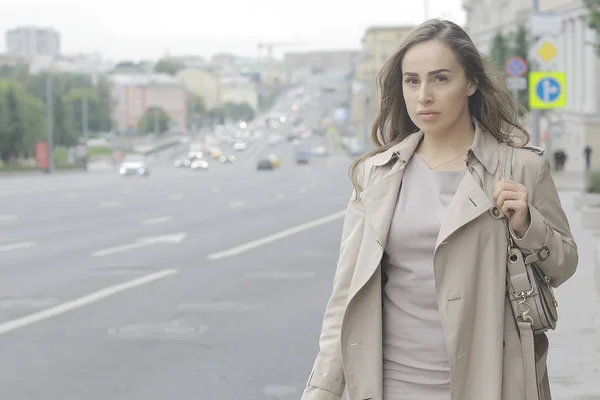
x=511 y=197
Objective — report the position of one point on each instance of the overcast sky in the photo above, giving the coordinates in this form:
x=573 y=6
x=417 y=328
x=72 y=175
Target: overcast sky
x=136 y=29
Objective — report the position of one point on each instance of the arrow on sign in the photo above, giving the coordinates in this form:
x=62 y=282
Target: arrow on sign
x=173 y=238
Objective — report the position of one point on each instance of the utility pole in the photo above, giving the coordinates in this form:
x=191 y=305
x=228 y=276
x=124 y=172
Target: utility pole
x=84 y=115
x=535 y=113
x=50 y=120
x=155 y=115
x=426 y=9
x=192 y=113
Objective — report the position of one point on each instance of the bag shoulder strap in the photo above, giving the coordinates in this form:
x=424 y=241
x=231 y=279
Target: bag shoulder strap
x=517 y=274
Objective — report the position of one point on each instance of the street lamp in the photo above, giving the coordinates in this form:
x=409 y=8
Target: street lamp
x=50 y=116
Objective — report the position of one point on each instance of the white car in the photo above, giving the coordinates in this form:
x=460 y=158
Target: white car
x=240 y=146
x=199 y=165
x=320 y=151
x=134 y=164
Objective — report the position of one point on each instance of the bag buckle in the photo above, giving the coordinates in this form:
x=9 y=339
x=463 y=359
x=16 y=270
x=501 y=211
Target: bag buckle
x=523 y=305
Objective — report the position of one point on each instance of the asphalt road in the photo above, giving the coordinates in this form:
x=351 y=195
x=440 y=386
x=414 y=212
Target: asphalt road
x=199 y=285
x=145 y=298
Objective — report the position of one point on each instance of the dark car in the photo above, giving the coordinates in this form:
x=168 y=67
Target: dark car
x=264 y=163
x=302 y=157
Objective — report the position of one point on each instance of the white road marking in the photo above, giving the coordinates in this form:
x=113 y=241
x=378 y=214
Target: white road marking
x=157 y=220
x=109 y=204
x=215 y=190
x=237 y=204
x=280 y=390
x=73 y=195
x=83 y=301
x=276 y=236
x=302 y=190
x=8 y=217
x=143 y=242
x=280 y=196
x=16 y=246
x=175 y=196
x=280 y=275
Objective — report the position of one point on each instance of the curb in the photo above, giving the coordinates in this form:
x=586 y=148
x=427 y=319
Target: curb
x=597 y=264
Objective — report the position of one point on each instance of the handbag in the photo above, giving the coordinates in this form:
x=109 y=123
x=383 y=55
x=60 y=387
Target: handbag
x=531 y=298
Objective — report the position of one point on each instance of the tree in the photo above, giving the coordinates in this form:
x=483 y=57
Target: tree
x=238 y=111
x=32 y=113
x=75 y=100
x=168 y=66
x=593 y=7
x=216 y=115
x=64 y=122
x=520 y=48
x=500 y=50
x=12 y=138
x=152 y=116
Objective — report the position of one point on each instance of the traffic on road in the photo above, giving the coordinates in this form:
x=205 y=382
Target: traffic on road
x=204 y=272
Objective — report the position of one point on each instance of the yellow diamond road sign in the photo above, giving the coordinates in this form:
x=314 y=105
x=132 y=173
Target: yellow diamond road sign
x=546 y=50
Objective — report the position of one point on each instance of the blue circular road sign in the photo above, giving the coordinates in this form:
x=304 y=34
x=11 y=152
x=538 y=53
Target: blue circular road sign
x=516 y=66
x=548 y=89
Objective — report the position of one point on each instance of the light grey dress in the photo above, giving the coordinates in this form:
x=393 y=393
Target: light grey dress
x=415 y=359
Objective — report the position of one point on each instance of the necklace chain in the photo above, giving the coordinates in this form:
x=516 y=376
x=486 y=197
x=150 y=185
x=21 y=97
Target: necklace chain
x=448 y=162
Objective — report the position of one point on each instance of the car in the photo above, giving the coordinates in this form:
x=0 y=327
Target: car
x=240 y=146
x=264 y=163
x=134 y=164
x=320 y=151
x=199 y=165
x=274 y=160
x=302 y=157
x=215 y=152
x=227 y=159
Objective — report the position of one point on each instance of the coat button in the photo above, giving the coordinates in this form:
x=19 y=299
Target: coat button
x=496 y=213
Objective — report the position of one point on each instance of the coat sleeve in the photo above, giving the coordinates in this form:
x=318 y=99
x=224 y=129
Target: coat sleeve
x=326 y=381
x=548 y=239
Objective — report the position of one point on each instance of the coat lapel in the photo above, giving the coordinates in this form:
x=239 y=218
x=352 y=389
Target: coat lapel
x=380 y=202
x=468 y=203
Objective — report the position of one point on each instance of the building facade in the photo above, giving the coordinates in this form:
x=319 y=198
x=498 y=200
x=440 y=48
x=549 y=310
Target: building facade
x=239 y=89
x=33 y=41
x=134 y=94
x=580 y=119
x=204 y=83
x=379 y=44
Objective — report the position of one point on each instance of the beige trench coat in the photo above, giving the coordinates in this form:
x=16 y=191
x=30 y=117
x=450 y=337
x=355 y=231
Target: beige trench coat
x=481 y=337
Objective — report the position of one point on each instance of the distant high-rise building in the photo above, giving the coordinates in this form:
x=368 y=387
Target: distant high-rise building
x=33 y=41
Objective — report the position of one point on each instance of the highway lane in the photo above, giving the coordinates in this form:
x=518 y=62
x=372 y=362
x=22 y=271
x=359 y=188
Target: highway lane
x=120 y=346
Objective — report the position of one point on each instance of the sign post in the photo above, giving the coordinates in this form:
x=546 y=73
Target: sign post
x=547 y=90
x=516 y=68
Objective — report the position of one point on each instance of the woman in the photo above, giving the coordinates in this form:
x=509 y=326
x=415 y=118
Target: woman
x=419 y=309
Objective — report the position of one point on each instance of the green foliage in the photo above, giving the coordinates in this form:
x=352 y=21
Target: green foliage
x=216 y=115
x=168 y=66
x=68 y=90
x=593 y=182
x=593 y=19
x=154 y=117
x=500 y=50
x=504 y=47
x=238 y=111
x=22 y=121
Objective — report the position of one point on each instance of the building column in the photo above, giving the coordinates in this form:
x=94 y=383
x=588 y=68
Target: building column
x=569 y=62
x=591 y=68
x=579 y=87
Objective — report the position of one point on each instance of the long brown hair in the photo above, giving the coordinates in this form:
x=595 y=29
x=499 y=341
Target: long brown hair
x=491 y=104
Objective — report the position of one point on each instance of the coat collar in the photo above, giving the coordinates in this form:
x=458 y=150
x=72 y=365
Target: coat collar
x=485 y=149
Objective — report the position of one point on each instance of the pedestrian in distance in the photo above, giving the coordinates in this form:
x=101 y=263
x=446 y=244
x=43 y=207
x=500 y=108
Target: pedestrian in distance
x=421 y=306
x=587 y=152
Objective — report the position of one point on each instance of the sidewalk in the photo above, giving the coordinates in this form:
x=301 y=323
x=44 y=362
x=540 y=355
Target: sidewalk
x=574 y=358
x=569 y=180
